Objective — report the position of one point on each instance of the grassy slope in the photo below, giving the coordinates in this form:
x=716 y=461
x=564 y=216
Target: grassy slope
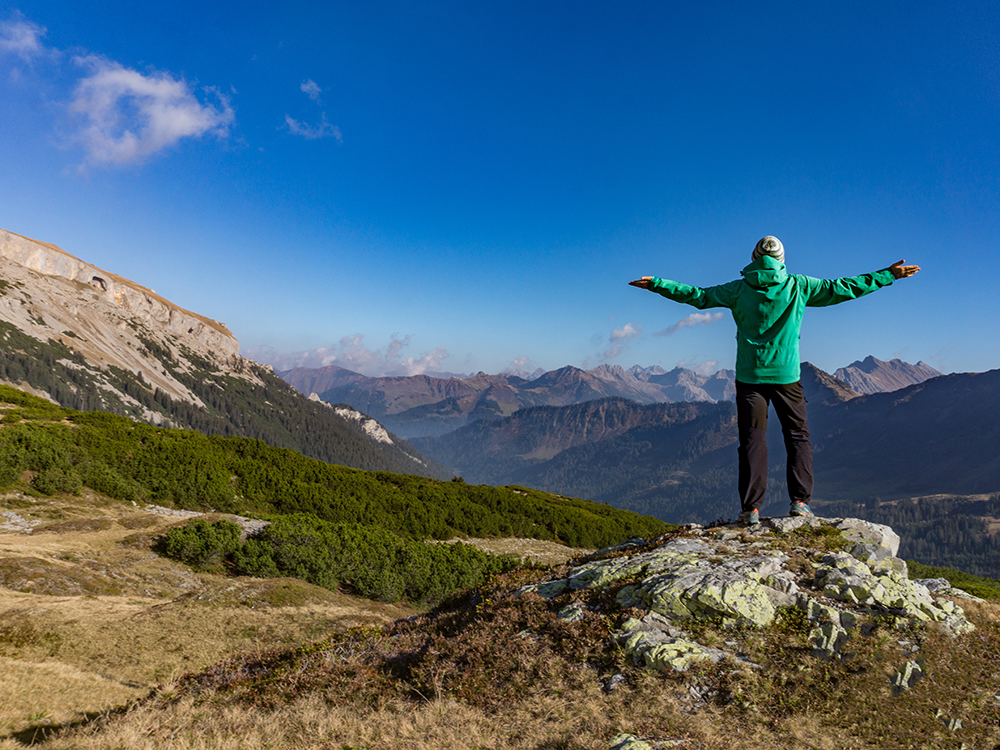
x=90 y=618
x=494 y=671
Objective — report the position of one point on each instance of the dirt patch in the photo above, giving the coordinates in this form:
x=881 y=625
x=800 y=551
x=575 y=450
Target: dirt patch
x=140 y=522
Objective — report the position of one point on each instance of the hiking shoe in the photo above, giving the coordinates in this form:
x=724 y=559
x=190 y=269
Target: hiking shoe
x=750 y=518
x=801 y=509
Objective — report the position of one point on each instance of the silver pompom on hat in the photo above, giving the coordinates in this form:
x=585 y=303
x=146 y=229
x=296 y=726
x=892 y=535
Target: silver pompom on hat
x=770 y=246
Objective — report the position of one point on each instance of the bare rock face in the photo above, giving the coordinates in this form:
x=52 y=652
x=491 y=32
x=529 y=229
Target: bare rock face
x=49 y=294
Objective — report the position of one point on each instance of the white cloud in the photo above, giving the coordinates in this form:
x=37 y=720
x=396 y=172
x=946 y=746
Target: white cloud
x=311 y=89
x=522 y=368
x=352 y=354
x=619 y=339
x=429 y=362
x=704 y=368
x=518 y=365
x=22 y=38
x=130 y=116
x=323 y=129
x=694 y=319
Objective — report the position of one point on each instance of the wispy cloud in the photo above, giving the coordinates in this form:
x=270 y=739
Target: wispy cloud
x=22 y=38
x=322 y=129
x=694 y=319
x=619 y=339
x=311 y=89
x=130 y=116
x=522 y=367
x=352 y=354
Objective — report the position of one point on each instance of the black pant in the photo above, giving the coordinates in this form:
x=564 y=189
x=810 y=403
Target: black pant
x=789 y=401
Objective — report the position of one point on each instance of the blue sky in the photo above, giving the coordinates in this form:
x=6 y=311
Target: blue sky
x=419 y=186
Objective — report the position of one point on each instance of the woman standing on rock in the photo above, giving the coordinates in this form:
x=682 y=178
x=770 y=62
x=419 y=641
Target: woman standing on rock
x=767 y=305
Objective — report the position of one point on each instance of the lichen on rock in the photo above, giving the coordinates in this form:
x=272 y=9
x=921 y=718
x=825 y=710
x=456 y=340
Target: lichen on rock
x=742 y=578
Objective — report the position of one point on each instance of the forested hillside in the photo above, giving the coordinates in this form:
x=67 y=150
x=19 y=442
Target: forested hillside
x=64 y=450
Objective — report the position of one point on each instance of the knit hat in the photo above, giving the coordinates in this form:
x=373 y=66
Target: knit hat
x=770 y=246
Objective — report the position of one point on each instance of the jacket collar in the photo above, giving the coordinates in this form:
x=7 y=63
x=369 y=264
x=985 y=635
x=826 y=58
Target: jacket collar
x=764 y=272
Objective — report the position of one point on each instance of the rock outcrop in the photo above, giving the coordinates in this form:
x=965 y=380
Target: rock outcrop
x=832 y=575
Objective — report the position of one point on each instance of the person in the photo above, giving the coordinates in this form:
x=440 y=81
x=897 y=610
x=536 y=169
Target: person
x=767 y=304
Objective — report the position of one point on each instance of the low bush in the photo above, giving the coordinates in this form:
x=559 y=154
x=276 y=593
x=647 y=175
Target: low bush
x=369 y=561
x=57 y=481
x=372 y=562
x=200 y=544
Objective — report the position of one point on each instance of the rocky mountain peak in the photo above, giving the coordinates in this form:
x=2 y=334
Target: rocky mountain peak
x=89 y=339
x=823 y=388
x=872 y=375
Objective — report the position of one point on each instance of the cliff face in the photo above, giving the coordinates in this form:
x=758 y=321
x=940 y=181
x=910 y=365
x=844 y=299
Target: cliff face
x=112 y=321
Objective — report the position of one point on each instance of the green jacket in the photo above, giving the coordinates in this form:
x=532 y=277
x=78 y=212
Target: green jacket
x=767 y=305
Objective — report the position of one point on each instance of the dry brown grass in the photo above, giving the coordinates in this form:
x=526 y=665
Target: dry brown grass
x=566 y=716
x=91 y=618
x=536 y=550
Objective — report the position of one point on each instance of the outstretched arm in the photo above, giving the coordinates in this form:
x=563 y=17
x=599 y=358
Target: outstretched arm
x=899 y=271
x=823 y=292
x=711 y=296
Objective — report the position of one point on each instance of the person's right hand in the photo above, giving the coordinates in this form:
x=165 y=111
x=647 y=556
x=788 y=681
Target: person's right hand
x=642 y=283
x=899 y=271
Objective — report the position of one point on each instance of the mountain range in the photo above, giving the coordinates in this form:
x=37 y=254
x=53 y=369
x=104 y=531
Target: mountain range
x=423 y=405
x=89 y=339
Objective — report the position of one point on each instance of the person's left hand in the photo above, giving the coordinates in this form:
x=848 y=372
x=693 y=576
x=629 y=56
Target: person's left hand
x=642 y=283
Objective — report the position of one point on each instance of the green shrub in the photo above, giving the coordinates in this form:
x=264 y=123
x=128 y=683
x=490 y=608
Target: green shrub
x=102 y=478
x=57 y=481
x=200 y=544
x=372 y=562
x=133 y=461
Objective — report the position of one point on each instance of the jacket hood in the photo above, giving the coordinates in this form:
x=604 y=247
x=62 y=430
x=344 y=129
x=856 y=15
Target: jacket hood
x=764 y=272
